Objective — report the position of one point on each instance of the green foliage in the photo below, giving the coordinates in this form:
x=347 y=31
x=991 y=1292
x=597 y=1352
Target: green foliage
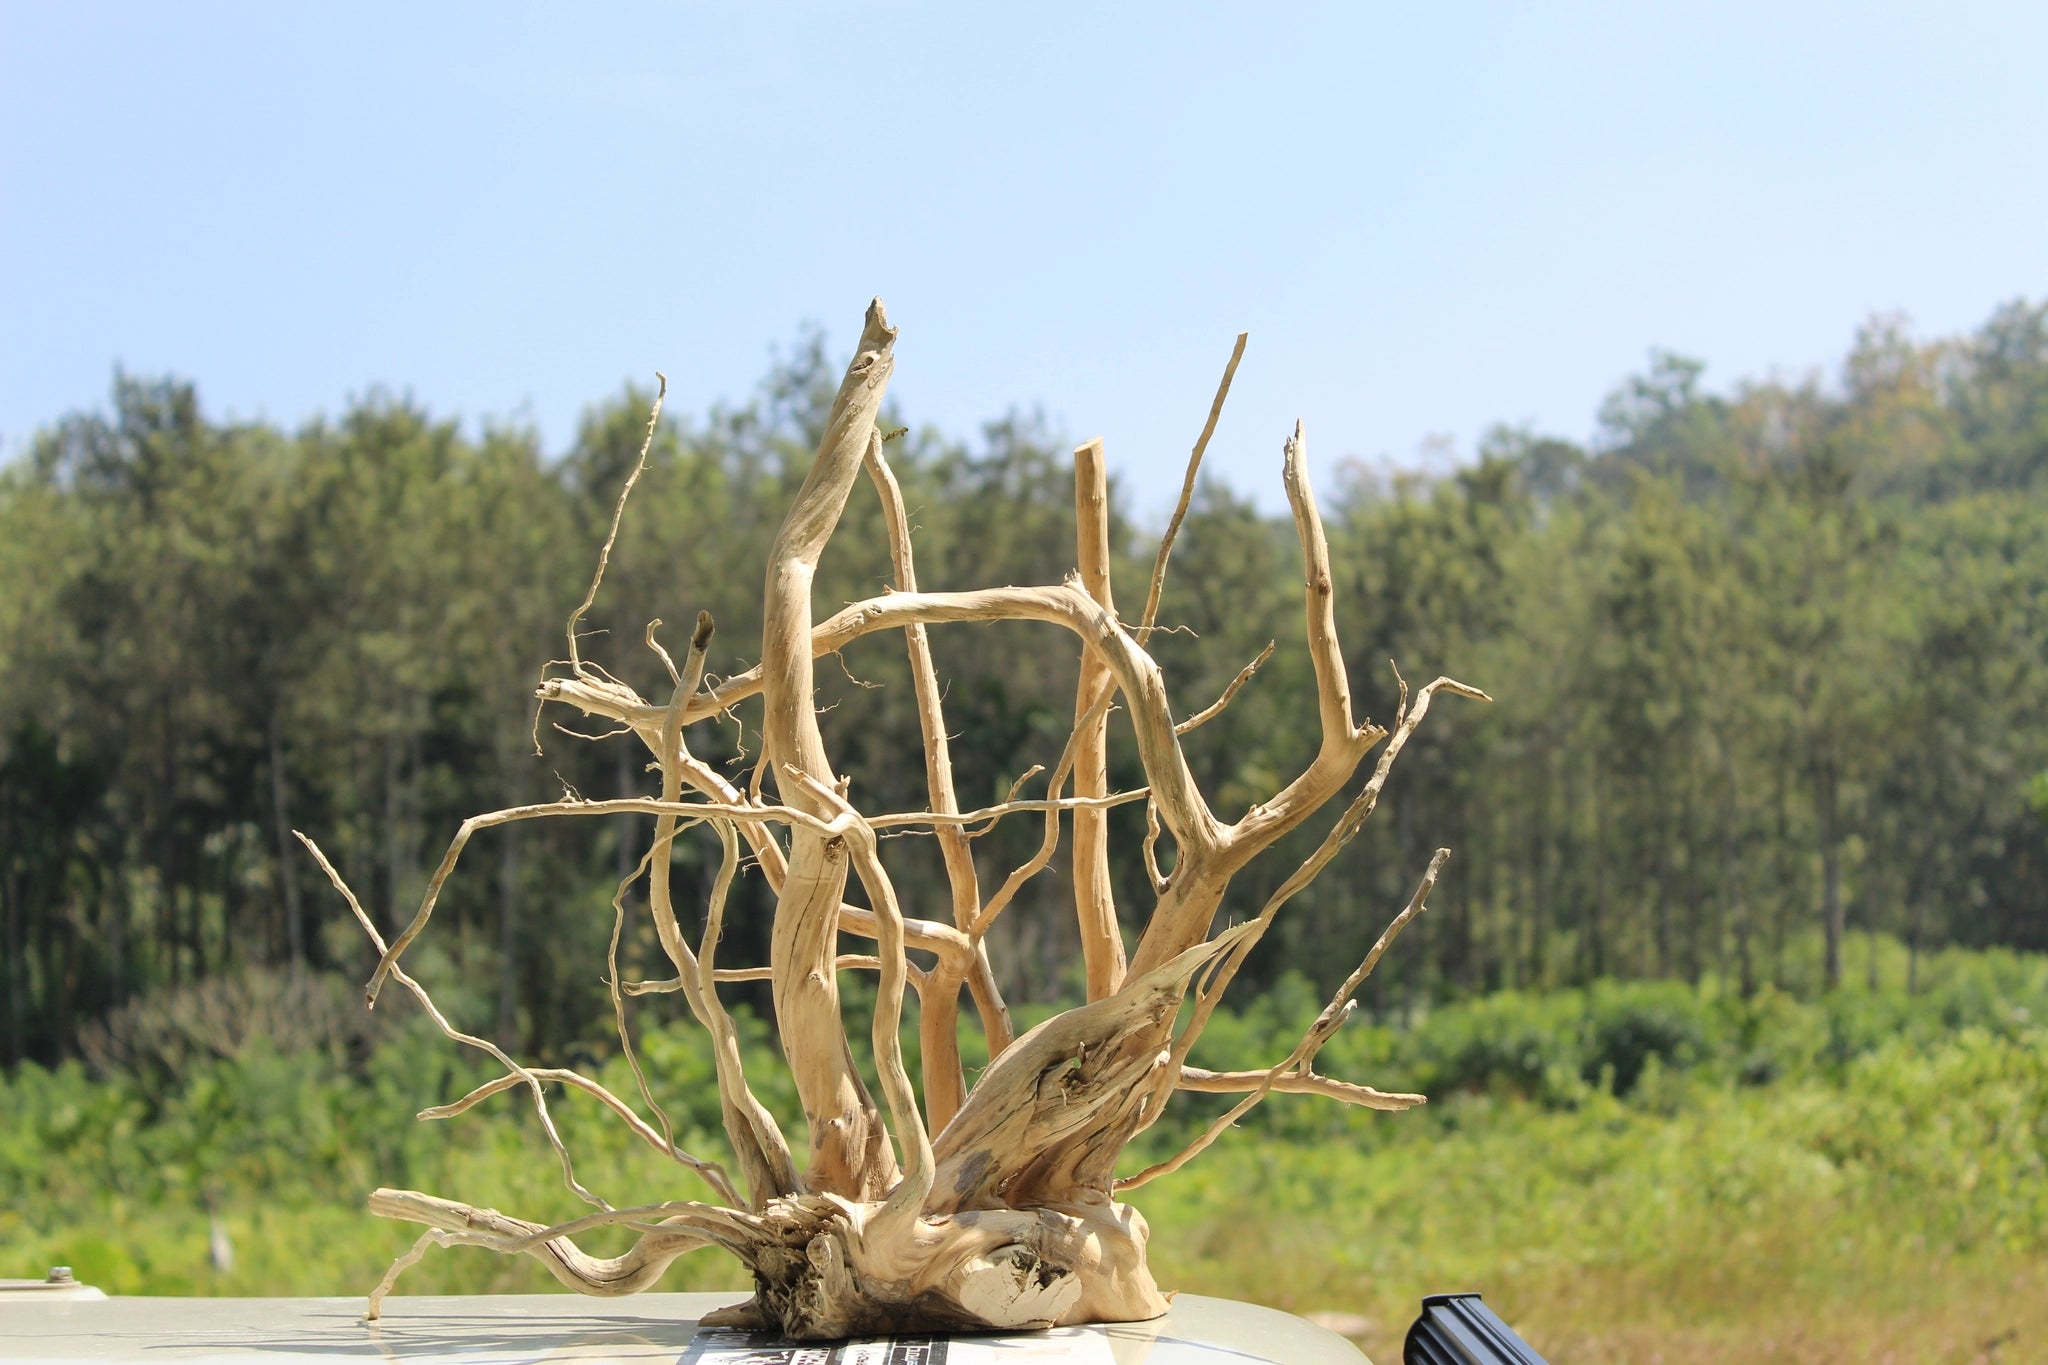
x=1768 y=662
x=1851 y=1160
x=1561 y=1050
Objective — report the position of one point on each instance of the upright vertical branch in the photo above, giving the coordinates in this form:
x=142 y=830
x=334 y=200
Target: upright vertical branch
x=1333 y=687
x=945 y=1085
x=1102 y=944
x=849 y=1147
x=885 y=1034
x=756 y=1137
x=1340 y=834
x=661 y=904
x=757 y=1142
x=1187 y=494
x=1182 y=919
x=1343 y=743
x=611 y=537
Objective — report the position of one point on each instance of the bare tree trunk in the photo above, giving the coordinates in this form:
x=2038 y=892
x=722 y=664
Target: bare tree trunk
x=1597 y=921
x=1915 y=922
x=1543 y=839
x=16 y=967
x=1784 y=899
x=394 y=857
x=1827 y=817
x=508 y=932
x=118 y=912
x=287 y=865
x=1733 y=888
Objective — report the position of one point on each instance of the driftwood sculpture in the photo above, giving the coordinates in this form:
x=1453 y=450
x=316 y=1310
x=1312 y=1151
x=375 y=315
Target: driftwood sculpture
x=992 y=1207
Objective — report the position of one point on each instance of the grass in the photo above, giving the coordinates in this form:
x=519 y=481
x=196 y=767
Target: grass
x=1632 y=1173
x=1751 y=1225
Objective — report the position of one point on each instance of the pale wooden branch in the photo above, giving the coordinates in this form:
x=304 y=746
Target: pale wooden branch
x=419 y=993
x=1009 y=798
x=941 y=940
x=668 y=664
x=1341 y=833
x=924 y=675
x=924 y=934
x=845 y=962
x=664 y=1142
x=1151 y=847
x=1050 y=840
x=656 y=863
x=1137 y=677
x=849 y=1148
x=1296 y=1083
x=757 y=1139
x=766 y=1172
x=1205 y=869
x=758 y=1142
x=661 y=907
x=1085 y=1067
x=945 y=1084
x=929 y=936
x=1215 y=708
x=604 y=556
x=1342 y=999
x=1343 y=745
x=621 y=805
x=1102 y=943
x=618 y=998
x=687 y=1227
x=886 y=1035
x=992 y=814
x=1299 y=1062
x=1333 y=688
x=1187 y=494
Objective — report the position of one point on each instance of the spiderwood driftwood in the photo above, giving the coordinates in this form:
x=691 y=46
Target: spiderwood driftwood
x=995 y=1206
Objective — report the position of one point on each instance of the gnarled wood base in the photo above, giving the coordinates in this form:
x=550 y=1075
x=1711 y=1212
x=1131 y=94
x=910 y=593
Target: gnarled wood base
x=828 y=1275
x=826 y=1268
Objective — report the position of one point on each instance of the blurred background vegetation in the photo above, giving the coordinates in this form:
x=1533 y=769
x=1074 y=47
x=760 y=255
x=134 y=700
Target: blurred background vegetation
x=1730 y=1000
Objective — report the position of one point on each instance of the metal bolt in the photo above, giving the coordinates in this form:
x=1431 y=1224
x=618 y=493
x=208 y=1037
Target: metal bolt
x=60 y=1274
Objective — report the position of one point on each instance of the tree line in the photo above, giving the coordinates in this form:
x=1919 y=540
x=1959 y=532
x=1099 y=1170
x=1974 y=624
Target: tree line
x=1768 y=665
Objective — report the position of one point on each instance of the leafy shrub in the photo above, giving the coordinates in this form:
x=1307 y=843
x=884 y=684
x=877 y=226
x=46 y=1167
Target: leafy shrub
x=1509 y=1043
x=1856 y=1135
x=1626 y=1027
x=156 y=1040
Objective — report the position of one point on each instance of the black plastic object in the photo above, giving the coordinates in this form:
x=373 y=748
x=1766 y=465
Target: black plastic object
x=1457 y=1329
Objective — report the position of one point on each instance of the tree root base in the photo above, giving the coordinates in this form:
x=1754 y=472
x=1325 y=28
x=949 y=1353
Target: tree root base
x=827 y=1269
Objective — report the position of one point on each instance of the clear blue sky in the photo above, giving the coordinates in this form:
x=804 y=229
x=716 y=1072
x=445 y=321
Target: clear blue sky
x=1430 y=218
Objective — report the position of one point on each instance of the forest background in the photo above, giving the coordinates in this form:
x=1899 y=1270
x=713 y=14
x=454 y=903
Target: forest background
x=1751 y=852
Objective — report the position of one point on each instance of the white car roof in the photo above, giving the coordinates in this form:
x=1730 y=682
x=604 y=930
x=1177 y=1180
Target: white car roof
x=511 y=1329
